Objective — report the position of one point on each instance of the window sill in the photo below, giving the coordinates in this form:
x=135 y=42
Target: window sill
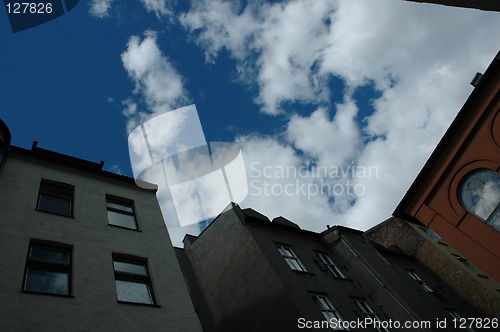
x=304 y=272
x=123 y=227
x=43 y=293
x=139 y=304
x=343 y=279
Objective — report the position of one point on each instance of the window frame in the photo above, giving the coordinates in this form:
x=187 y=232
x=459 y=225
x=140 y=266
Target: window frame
x=463 y=261
x=289 y=259
x=125 y=203
x=468 y=208
x=330 y=265
x=368 y=312
x=327 y=311
x=420 y=281
x=49 y=266
x=133 y=277
x=433 y=235
x=57 y=191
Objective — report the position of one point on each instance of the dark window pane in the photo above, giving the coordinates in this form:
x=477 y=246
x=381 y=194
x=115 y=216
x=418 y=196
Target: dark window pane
x=481 y=193
x=130 y=268
x=120 y=219
x=62 y=190
x=54 y=204
x=133 y=292
x=495 y=220
x=293 y=265
x=291 y=258
x=50 y=255
x=122 y=207
x=38 y=280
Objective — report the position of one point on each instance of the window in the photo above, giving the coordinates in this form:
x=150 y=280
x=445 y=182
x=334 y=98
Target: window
x=367 y=312
x=465 y=262
x=121 y=213
x=329 y=312
x=480 y=195
x=55 y=197
x=291 y=258
x=132 y=280
x=433 y=235
x=330 y=265
x=459 y=320
x=48 y=269
x=422 y=283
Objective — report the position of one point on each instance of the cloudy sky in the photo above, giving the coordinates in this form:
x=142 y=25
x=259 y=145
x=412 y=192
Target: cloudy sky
x=336 y=105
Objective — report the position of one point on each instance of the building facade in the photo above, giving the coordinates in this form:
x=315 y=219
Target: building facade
x=252 y=274
x=473 y=286
x=83 y=249
x=457 y=193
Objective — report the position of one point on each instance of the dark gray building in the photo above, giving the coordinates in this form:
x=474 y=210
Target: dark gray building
x=247 y=273
x=83 y=249
x=457 y=275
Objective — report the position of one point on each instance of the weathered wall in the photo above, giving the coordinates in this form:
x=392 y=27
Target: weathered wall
x=478 y=293
x=300 y=285
x=240 y=287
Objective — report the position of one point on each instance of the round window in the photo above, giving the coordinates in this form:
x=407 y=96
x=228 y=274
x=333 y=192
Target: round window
x=480 y=195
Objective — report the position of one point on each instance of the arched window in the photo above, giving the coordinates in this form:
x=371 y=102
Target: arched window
x=480 y=195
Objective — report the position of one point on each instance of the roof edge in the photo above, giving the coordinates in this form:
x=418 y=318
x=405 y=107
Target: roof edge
x=80 y=164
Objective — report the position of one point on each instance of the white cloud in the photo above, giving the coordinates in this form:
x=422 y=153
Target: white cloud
x=419 y=57
x=100 y=8
x=114 y=169
x=273 y=188
x=290 y=49
x=330 y=142
x=276 y=45
x=159 y=7
x=155 y=78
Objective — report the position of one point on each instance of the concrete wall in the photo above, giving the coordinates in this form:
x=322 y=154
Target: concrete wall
x=93 y=304
x=239 y=274
x=382 y=273
x=300 y=285
x=248 y=286
x=362 y=264
x=237 y=282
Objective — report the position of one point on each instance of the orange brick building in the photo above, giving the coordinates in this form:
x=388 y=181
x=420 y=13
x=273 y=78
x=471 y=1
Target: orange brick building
x=457 y=192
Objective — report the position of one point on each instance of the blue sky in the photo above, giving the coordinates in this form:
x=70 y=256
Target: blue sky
x=327 y=83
